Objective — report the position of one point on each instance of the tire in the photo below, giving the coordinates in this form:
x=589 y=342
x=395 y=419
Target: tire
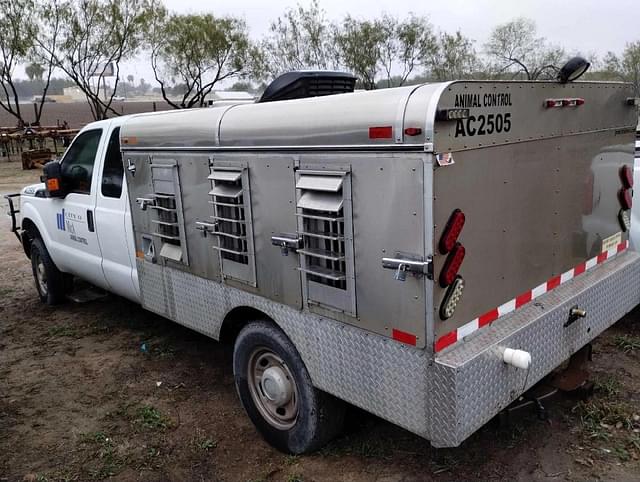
x=309 y=418
x=51 y=283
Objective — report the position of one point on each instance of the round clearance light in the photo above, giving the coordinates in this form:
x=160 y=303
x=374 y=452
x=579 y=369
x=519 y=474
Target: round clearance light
x=573 y=69
x=452 y=298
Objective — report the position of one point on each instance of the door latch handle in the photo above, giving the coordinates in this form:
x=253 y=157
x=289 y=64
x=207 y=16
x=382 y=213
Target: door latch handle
x=131 y=166
x=206 y=228
x=287 y=242
x=145 y=202
x=403 y=265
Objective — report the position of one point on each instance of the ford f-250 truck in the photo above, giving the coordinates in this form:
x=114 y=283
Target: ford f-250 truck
x=427 y=253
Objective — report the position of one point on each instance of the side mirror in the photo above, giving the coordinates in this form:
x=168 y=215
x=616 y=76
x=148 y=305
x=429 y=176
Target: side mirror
x=52 y=178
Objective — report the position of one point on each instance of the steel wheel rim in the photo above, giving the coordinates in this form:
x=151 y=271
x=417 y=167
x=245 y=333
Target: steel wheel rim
x=41 y=274
x=276 y=402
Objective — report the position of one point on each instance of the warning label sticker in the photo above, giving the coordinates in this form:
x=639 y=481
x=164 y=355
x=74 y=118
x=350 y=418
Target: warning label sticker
x=612 y=242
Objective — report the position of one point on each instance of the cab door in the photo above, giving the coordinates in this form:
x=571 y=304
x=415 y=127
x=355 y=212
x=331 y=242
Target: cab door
x=113 y=222
x=78 y=251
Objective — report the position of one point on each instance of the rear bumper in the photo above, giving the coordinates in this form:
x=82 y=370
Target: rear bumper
x=470 y=383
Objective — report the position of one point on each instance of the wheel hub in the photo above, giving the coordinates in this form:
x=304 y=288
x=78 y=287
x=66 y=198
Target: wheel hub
x=275 y=386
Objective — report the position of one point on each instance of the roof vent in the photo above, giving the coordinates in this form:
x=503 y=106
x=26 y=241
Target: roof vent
x=309 y=83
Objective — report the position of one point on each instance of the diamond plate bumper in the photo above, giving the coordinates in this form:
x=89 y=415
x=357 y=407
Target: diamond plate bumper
x=469 y=383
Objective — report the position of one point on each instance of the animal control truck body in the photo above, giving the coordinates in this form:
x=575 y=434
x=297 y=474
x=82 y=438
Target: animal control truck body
x=427 y=253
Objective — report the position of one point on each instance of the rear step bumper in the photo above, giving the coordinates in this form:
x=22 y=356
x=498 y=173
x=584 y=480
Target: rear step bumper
x=471 y=383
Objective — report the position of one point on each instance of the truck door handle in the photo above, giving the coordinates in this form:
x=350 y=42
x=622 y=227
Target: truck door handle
x=90 y=225
x=402 y=266
x=287 y=242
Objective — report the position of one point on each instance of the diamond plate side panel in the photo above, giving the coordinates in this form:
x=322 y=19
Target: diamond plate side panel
x=375 y=373
x=470 y=383
x=152 y=291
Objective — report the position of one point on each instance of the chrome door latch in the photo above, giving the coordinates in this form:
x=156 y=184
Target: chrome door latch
x=404 y=263
x=206 y=228
x=287 y=242
x=145 y=202
x=131 y=166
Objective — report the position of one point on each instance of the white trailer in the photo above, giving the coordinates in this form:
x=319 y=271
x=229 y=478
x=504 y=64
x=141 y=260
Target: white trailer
x=427 y=253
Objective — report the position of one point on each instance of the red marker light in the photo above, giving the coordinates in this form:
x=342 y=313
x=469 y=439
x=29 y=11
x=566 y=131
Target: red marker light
x=452 y=265
x=385 y=132
x=452 y=231
x=413 y=131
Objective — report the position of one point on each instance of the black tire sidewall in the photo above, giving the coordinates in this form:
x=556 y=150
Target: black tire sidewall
x=55 y=286
x=304 y=435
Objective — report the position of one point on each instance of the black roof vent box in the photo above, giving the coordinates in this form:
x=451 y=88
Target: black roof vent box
x=308 y=83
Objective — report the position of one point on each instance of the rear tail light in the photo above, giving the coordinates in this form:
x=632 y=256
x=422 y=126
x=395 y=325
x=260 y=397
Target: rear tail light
x=451 y=299
x=626 y=175
x=624 y=195
x=452 y=231
x=452 y=265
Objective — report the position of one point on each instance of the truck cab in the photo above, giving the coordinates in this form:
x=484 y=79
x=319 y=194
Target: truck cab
x=83 y=231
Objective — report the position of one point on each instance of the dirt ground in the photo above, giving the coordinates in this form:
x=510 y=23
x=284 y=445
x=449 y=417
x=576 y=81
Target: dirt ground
x=107 y=391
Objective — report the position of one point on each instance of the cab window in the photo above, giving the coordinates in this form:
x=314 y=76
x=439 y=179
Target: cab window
x=77 y=164
x=113 y=169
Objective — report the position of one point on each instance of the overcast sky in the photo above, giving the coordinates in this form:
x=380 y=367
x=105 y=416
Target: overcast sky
x=578 y=25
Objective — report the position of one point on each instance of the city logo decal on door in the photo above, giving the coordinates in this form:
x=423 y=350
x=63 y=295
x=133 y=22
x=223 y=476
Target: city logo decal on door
x=65 y=222
x=60 y=220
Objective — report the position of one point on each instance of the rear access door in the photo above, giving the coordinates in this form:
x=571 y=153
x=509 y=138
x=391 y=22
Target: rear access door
x=539 y=171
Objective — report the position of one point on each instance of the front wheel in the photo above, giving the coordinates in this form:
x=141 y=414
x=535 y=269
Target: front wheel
x=51 y=283
x=277 y=393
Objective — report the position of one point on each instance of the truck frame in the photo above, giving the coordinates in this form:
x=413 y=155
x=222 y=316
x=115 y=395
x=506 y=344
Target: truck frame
x=426 y=253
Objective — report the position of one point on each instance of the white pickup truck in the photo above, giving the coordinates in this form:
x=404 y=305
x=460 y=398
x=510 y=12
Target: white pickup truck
x=426 y=253
x=84 y=234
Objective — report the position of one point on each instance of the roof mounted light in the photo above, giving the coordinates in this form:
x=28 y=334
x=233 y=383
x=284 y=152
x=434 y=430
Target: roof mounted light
x=451 y=114
x=573 y=69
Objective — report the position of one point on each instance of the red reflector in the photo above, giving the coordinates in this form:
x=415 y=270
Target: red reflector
x=413 y=131
x=452 y=265
x=488 y=317
x=579 y=101
x=523 y=299
x=553 y=283
x=553 y=103
x=446 y=340
x=624 y=196
x=626 y=174
x=385 y=132
x=452 y=231
x=404 y=337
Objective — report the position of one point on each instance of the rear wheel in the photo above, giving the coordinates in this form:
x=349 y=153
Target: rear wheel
x=51 y=283
x=277 y=394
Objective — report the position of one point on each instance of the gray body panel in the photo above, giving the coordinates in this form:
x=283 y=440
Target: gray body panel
x=536 y=206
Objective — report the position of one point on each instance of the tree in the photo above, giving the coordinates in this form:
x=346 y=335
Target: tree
x=416 y=43
x=95 y=36
x=453 y=57
x=34 y=71
x=516 y=49
x=300 y=39
x=130 y=79
x=199 y=51
x=17 y=31
x=359 y=47
x=627 y=67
